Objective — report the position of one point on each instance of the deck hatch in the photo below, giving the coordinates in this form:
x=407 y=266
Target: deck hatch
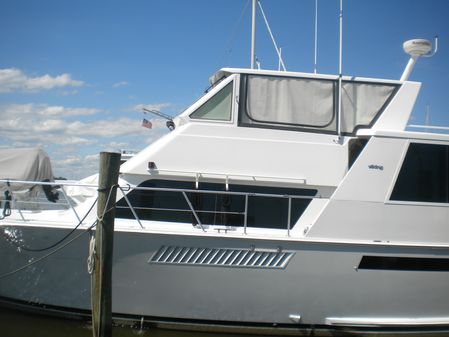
x=244 y=258
x=404 y=263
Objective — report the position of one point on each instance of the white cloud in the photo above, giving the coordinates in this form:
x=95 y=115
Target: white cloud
x=12 y=79
x=69 y=92
x=75 y=166
x=120 y=84
x=92 y=157
x=42 y=123
x=49 y=125
x=118 y=145
x=71 y=143
x=63 y=111
x=70 y=160
x=12 y=111
x=157 y=106
x=75 y=141
x=106 y=128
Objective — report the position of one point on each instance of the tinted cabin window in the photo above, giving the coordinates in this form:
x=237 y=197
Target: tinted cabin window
x=217 y=107
x=424 y=174
x=213 y=208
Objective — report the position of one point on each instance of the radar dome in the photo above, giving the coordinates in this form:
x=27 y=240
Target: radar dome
x=417 y=47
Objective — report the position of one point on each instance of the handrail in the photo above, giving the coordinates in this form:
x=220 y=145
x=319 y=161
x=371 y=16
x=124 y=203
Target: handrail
x=251 y=194
x=195 y=212
x=40 y=201
x=183 y=191
x=130 y=206
x=54 y=183
x=166 y=189
x=226 y=176
x=69 y=203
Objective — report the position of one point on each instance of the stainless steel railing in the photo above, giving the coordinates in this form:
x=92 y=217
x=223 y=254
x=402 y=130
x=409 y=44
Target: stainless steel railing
x=22 y=198
x=66 y=201
x=195 y=212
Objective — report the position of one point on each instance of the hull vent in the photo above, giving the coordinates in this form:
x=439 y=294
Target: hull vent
x=223 y=257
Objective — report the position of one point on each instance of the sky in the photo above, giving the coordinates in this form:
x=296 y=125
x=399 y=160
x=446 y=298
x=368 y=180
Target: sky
x=75 y=75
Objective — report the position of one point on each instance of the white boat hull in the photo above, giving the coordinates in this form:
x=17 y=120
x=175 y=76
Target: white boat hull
x=320 y=283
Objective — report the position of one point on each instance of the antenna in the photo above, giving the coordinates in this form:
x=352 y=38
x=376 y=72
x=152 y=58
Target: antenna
x=316 y=36
x=427 y=117
x=340 y=71
x=253 y=35
x=417 y=48
x=280 y=57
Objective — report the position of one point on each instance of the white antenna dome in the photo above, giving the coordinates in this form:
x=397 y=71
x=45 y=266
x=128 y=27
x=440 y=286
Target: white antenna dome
x=417 y=47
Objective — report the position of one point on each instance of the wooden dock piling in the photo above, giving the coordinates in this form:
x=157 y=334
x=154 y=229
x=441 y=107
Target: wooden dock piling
x=104 y=242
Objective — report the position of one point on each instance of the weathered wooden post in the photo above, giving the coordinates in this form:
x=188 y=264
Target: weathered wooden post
x=104 y=240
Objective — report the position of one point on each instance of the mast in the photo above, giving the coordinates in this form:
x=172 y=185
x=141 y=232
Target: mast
x=316 y=36
x=340 y=72
x=253 y=35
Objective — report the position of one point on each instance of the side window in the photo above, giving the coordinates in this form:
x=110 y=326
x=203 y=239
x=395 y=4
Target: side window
x=305 y=103
x=271 y=101
x=362 y=102
x=424 y=175
x=218 y=107
x=214 y=208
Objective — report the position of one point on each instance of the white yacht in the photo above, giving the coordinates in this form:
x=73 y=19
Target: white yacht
x=280 y=199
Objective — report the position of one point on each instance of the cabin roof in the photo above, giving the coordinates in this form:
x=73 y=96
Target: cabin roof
x=225 y=72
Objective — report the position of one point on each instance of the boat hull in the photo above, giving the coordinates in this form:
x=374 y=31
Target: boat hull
x=318 y=283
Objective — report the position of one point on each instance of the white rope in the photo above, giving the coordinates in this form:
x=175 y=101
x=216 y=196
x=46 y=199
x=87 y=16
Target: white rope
x=92 y=255
x=92 y=244
x=100 y=219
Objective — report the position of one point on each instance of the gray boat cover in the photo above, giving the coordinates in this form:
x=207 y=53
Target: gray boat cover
x=26 y=164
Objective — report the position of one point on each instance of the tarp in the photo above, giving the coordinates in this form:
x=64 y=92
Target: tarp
x=26 y=164
x=31 y=164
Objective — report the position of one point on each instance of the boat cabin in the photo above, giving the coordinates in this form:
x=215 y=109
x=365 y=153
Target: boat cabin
x=268 y=133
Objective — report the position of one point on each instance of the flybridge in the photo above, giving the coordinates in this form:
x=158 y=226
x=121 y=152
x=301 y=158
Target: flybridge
x=302 y=101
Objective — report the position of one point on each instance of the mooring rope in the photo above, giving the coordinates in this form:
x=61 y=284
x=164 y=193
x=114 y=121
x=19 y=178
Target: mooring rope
x=49 y=254
x=92 y=242
x=92 y=255
x=88 y=230
x=28 y=249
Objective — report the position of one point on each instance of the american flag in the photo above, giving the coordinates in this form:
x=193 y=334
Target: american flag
x=147 y=124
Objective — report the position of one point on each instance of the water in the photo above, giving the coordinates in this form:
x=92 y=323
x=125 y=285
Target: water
x=15 y=323
x=18 y=324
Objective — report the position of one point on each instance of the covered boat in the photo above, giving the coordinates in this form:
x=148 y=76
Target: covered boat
x=18 y=166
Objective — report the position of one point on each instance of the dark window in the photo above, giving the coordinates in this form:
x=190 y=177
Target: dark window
x=355 y=147
x=404 y=263
x=424 y=174
x=213 y=208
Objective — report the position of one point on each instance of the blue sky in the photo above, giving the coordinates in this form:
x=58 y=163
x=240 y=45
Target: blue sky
x=74 y=75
